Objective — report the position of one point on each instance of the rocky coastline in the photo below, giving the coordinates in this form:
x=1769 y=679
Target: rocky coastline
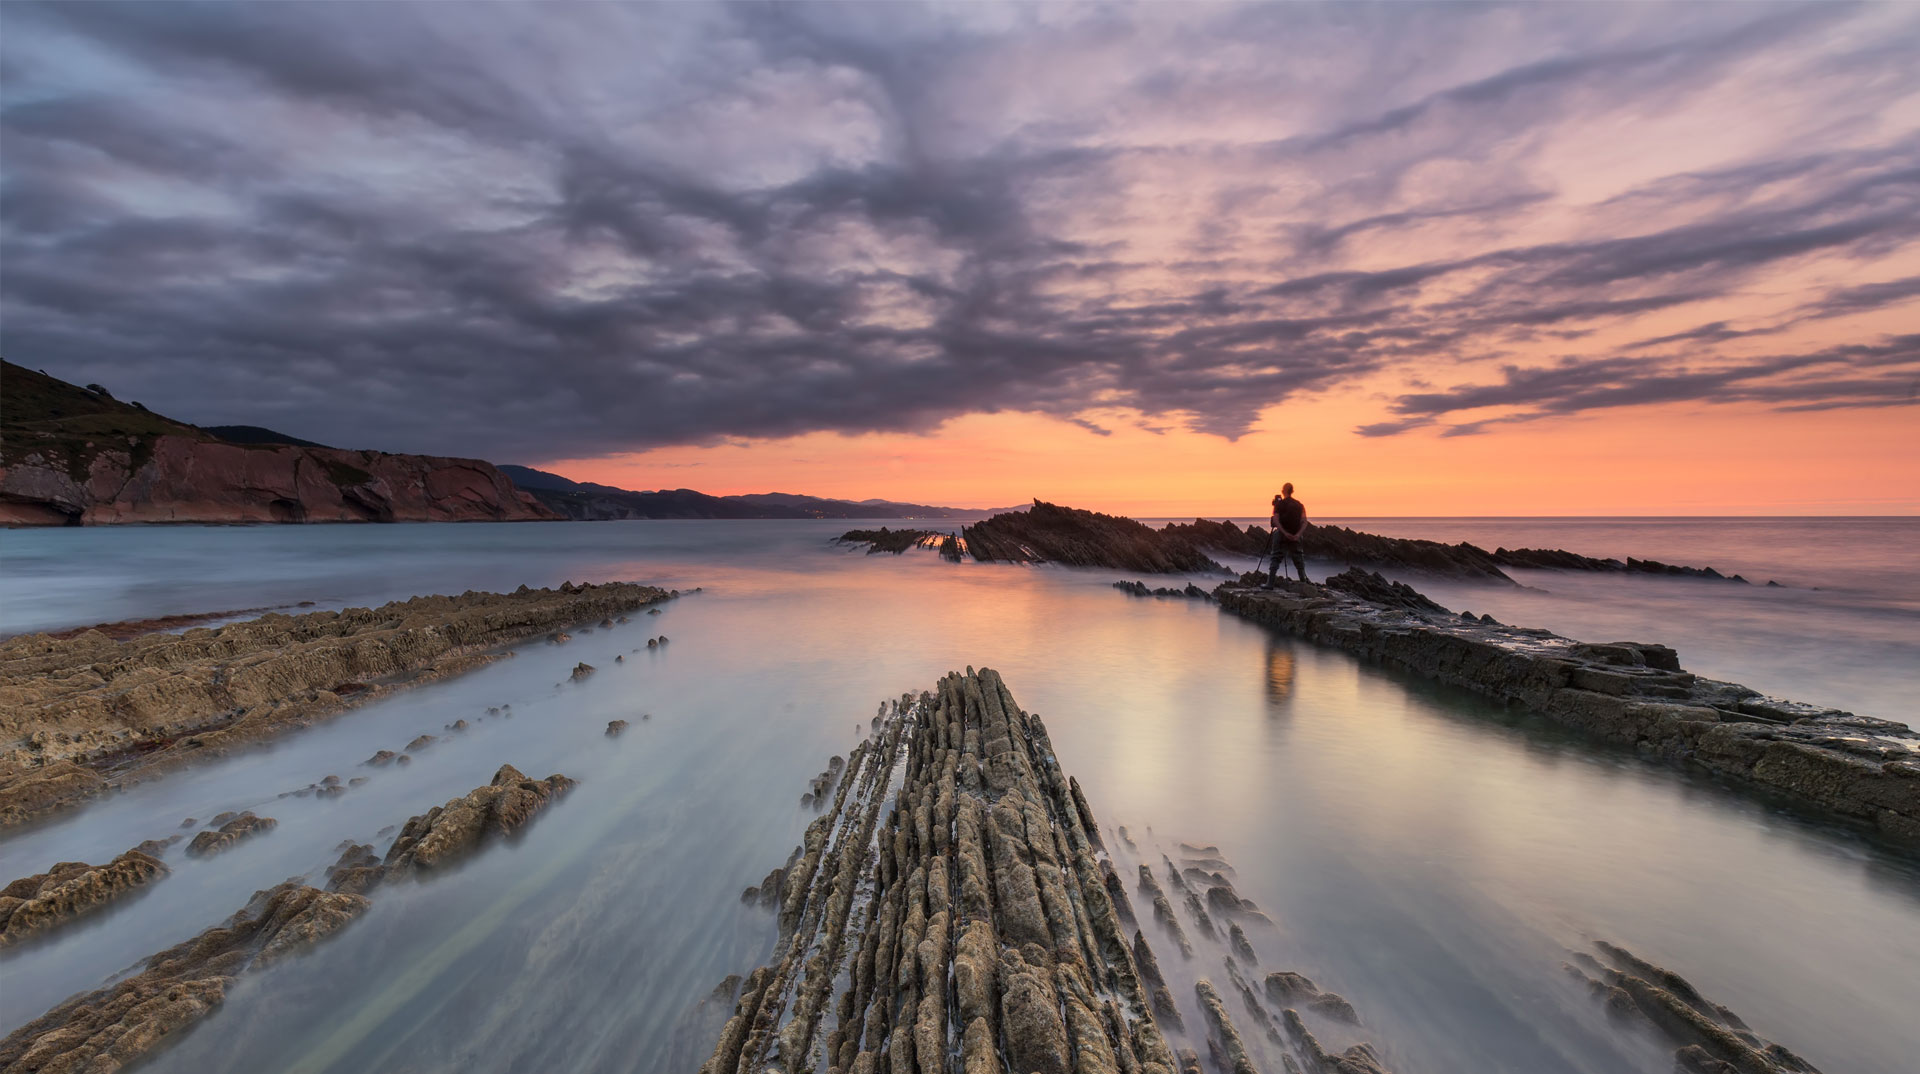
x=1823 y=761
x=1068 y=536
x=84 y=714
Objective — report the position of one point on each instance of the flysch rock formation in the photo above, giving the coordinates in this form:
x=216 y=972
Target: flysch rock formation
x=1710 y=1038
x=1462 y=560
x=1048 y=533
x=1823 y=761
x=77 y=456
x=39 y=904
x=956 y=910
x=85 y=714
x=115 y=1027
x=892 y=540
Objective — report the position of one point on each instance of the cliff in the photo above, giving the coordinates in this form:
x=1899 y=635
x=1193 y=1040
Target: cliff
x=77 y=456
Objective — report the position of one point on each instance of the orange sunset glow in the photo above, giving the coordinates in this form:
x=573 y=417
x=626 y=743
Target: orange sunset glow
x=1417 y=259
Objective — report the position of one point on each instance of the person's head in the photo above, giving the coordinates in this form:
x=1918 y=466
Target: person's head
x=1286 y=489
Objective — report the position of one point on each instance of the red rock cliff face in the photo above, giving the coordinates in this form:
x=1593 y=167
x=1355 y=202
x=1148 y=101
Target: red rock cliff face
x=186 y=479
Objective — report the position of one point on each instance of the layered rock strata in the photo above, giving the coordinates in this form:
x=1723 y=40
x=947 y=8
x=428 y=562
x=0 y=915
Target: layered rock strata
x=1634 y=694
x=1462 y=560
x=1710 y=1039
x=1048 y=533
x=891 y=540
x=970 y=929
x=83 y=714
x=955 y=910
x=71 y=890
x=116 y=1026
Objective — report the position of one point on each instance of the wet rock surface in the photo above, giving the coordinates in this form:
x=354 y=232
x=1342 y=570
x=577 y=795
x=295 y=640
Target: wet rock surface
x=1140 y=589
x=891 y=540
x=955 y=910
x=81 y=715
x=116 y=1026
x=231 y=831
x=1710 y=1039
x=971 y=929
x=35 y=905
x=1463 y=560
x=1823 y=761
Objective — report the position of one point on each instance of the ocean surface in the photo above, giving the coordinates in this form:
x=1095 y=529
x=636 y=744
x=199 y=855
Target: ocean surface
x=1430 y=856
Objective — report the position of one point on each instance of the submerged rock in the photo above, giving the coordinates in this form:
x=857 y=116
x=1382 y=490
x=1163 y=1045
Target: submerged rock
x=614 y=727
x=1710 y=1038
x=115 y=1026
x=82 y=707
x=72 y=889
x=229 y=833
x=445 y=834
x=1634 y=694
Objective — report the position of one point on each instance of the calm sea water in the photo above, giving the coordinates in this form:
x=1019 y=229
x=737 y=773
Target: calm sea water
x=1425 y=854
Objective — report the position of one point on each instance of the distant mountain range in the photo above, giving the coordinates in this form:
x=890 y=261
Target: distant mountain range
x=590 y=501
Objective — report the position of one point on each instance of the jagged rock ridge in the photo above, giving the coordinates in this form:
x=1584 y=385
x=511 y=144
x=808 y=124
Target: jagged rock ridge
x=1634 y=694
x=85 y=713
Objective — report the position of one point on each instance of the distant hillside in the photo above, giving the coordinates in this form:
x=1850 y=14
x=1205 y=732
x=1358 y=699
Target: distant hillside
x=587 y=501
x=254 y=434
x=73 y=455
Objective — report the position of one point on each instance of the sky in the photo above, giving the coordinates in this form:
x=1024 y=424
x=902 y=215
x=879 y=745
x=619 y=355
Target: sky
x=1586 y=259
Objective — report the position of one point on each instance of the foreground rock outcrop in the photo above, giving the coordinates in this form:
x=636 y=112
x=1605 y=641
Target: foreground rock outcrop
x=116 y=1026
x=77 y=456
x=974 y=922
x=1634 y=694
x=83 y=714
x=71 y=890
x=979 y=925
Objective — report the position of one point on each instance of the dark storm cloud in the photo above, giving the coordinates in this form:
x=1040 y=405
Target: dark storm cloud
x=537 y=232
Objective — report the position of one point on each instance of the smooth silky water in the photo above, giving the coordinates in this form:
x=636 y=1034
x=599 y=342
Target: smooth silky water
x=1431 y=857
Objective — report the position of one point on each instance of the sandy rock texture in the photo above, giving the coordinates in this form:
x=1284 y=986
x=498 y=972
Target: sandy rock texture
x=116 y=1026
x=70 y=890
x=113 y=1027
x=86 y=713
x=973 y=926
x=1710 y=1038
x=1825 y=761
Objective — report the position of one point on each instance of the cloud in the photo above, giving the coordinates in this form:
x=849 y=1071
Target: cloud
x=491 y=230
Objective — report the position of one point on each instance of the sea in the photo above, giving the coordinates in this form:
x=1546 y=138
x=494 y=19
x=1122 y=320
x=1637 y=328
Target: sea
x=1432 y=857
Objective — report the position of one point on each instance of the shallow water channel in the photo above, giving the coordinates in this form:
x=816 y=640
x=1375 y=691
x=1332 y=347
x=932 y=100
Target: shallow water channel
x=1425 y=854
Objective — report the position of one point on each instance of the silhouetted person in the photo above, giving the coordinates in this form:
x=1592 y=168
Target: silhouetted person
x=1289 y=525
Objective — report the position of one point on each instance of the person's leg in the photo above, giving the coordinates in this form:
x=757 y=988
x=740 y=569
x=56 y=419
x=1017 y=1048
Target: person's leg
x=1273 y=559
x=1299 y=562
